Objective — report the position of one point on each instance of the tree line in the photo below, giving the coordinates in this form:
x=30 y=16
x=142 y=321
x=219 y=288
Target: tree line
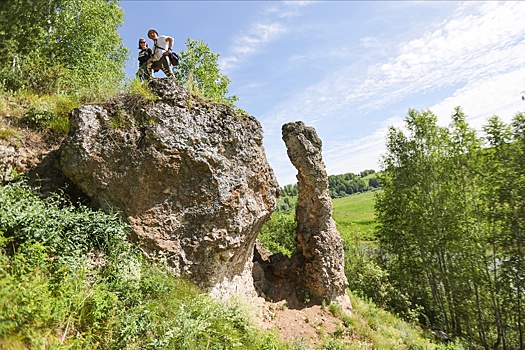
x=452 y=225
x=342 y=185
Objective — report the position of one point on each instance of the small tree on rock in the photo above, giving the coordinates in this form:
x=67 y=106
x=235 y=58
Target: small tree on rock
x=199 y=72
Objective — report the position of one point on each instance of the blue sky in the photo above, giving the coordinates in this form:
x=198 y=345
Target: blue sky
x=350 y=69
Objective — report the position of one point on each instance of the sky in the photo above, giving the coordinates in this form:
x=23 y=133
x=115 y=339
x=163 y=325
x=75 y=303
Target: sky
x=350 y=69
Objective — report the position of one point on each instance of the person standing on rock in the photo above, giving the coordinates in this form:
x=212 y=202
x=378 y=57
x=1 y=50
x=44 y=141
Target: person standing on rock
x=144 y=73
x=162 y=46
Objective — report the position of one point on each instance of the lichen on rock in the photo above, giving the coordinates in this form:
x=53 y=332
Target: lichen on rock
x=190 y=176
x=315 y=273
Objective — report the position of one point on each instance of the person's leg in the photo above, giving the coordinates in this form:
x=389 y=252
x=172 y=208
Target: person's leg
x=144 y=72
x=148 y=73
x=155 y=66
x=166 y=67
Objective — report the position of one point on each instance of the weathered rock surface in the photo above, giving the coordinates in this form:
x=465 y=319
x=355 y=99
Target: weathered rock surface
x=190 y=176
x=317 y=267
x=22 y=153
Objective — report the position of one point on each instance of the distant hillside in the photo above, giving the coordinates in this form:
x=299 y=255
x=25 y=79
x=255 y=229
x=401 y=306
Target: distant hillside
x=343 y=184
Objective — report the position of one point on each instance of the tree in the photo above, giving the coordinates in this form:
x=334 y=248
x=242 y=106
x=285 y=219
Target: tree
x=278 y=234
x=289 y=190
x=451 y=225
x=506 y=214
x=198 y=71
x=61 y=45
x=409 y=212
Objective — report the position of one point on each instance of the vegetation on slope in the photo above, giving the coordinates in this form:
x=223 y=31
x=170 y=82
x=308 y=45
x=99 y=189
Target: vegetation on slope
x=370 y=325
x=447 y=247
x=70 y=279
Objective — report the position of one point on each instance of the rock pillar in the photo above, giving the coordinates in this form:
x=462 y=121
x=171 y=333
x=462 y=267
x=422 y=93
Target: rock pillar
x=320 y=252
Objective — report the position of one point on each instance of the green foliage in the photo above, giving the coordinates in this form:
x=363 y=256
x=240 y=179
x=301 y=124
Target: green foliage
x=451 y=224
x=59 y=46
x=6 y=134
x=286 y=205
x=356 y=222
x=45 y=113
x=370 y=327
x=349 y=183
x=199 y=72
x=70 y=279
x=278 y=234
x=289 y=190
x=342 y=185
x=70 y=230
x=38 y=118
x=138 y=88
x=377 y=329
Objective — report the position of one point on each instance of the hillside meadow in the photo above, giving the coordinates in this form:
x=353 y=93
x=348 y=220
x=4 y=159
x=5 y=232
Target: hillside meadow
x=355 y=216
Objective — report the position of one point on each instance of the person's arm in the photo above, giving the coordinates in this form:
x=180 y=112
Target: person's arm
x=170 y=42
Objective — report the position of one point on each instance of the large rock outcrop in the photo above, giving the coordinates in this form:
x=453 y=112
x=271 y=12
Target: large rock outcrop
x=191 y=177
x=315 y=272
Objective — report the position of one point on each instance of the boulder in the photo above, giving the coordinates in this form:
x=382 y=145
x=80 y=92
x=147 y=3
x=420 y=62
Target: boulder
x=190 y=176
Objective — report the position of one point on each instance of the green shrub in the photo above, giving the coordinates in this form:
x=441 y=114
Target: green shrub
x=6 y=134
x=278 y=234
x=10 y=80
x=70 y=279
x=38 y=118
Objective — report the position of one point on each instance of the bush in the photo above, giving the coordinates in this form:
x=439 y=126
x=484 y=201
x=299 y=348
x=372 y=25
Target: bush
x=70 y=279
x=278 y=234
x=369 y=280
x=10 y=80
x=38 y=118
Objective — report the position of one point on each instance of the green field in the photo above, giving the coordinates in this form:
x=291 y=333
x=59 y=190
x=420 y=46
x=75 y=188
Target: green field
x=355 y=216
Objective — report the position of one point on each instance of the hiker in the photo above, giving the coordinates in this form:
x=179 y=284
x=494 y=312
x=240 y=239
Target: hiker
x=161 y=49
x=144 y=72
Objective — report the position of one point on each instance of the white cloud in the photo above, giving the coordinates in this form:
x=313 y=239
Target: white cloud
x=481 y=41
x=288 y=9
x=499 y=95
x=478 y=53
x=247 y=44
x=262 y=32
x=370 y=42
x=485 y=42
x=259 y=34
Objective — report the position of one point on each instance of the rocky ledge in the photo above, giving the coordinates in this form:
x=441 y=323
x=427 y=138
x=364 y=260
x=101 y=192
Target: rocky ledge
x=190 y=176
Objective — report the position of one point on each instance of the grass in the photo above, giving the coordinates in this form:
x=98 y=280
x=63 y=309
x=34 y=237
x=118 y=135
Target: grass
x=370 y=327
x=386 y=331
x=355 y=216
x=6 y=133
x=69 y=279
x=50 y=112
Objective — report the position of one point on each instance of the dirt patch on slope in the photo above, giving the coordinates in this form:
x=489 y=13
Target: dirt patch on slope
x=311 y=326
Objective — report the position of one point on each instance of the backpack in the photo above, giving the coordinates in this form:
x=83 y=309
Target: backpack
x=173 y=57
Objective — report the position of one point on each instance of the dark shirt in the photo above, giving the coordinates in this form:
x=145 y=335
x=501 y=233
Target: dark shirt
x=144 y=56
